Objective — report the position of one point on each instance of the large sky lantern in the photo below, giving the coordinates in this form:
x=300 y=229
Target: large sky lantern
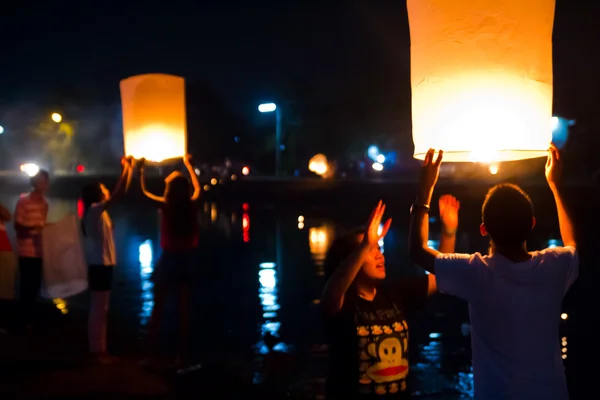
x=481 y=75
x=154 y=123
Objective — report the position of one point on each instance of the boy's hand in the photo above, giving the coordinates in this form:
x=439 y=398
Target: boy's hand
x=553 y=167
x=449 y=207
x=429 y=175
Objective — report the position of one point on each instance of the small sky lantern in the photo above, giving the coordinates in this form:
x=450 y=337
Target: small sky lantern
x=154 y=124
x=481 y=74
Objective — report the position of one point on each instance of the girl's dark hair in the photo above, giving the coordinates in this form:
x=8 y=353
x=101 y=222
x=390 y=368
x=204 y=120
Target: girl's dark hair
x=180 y=209
x=340 y=249
x=91 y=193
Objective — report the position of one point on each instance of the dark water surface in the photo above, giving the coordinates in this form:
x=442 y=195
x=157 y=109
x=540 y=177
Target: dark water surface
x=262 y=271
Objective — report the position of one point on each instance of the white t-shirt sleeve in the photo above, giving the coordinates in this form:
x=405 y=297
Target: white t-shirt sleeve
x=92 y=215
x=459 y=275
x=568 y=263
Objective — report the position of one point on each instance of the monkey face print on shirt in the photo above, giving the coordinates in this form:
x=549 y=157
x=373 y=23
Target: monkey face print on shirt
x=383 y=353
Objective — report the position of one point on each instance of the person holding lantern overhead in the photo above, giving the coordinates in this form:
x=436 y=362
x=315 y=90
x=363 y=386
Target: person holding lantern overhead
x=179 y=231
x=365 y=318
x=97 y=230
x=514 y=295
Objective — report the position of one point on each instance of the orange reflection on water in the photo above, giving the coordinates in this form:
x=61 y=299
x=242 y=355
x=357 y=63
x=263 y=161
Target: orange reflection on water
x=319 y=240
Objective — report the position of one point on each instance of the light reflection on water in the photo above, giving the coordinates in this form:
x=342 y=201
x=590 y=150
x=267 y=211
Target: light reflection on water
x=319 y=240
x=146 y=269
x=268 y=295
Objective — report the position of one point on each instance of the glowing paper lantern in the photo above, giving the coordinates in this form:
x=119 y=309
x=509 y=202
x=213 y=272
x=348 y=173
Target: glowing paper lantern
x=481 y=74
x=154 y=124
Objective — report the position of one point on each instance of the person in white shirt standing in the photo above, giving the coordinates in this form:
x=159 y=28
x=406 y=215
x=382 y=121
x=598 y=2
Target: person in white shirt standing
x=514 y=295
x=30 y=218
x=99 y=245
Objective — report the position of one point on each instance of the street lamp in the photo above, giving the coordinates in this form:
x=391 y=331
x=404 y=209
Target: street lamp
x=56 y=117
x=267 y=108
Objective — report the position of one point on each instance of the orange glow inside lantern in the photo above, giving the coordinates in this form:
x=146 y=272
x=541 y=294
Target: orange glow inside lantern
x=481 y=77
x=154 y=123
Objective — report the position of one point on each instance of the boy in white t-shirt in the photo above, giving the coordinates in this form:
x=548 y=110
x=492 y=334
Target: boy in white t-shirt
x=514 y=295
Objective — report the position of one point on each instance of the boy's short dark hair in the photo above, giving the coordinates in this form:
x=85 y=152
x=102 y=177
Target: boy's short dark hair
x=42 y=173
x=507 y=214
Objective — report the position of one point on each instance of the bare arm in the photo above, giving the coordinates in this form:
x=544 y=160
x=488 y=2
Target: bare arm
x=146 y=192
x=124 y=180
x=553 y=176
x=418 y=251
x=338 y=284
x=129 y=174
x=193 y=177
x=5 y=215
x=449 y=207
x=447 y=242
x=567 y=232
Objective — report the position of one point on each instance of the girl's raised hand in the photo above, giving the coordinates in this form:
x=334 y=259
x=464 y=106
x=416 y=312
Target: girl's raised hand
x=372 y=235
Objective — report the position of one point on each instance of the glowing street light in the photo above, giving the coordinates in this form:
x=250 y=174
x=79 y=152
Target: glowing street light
x=1 y=129
x=56 y=117
x=377 y=166
x=267 y=108
x=30 y=169
x=380 y=158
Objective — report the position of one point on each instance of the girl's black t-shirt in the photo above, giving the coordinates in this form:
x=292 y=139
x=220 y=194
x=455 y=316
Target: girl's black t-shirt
x=368 y=342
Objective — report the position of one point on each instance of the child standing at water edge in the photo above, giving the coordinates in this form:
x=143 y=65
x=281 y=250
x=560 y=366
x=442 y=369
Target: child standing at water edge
x=96 y=227
x=514 y=295
x=31 y=212
x=174 y=270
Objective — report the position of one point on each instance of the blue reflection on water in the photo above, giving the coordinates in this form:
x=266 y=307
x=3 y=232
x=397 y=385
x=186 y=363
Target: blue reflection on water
x=268 y=295
x=433 y=244
x=554 y=243
x=146 y=269
x=465 y=383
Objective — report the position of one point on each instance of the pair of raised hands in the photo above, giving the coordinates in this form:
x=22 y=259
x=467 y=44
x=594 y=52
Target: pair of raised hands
x=448 y=205
x=129 y=162
x=430 y=170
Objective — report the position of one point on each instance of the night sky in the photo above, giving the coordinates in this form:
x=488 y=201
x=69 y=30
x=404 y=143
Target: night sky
x=352 y=56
